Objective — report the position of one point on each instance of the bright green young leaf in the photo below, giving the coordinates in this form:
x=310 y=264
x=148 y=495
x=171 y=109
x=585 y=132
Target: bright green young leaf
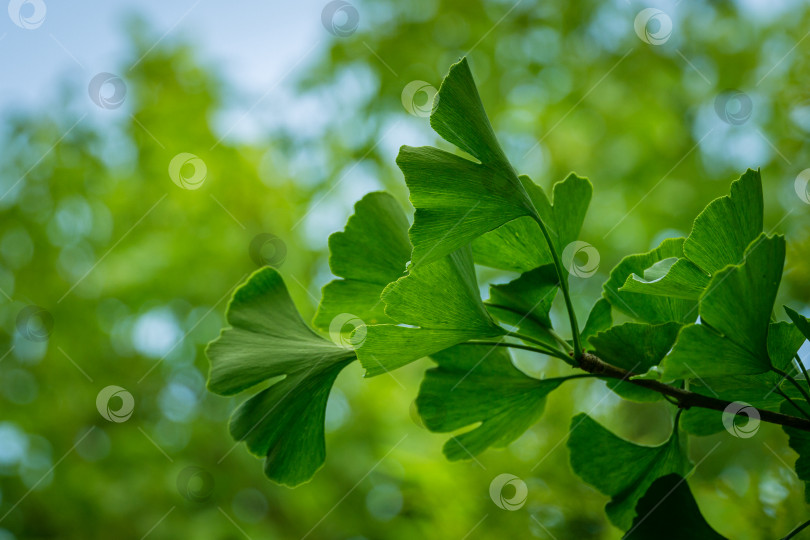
x=668 y=511
x=519 y=245
x=369 y=254
x=479 y=384
x=619 y=468
x=440 y=303
x=645 y=307
x=268 y=339
x=599 y=319
x=727 y=226
x=735 y=312
x=457 y=199
x=635 y=347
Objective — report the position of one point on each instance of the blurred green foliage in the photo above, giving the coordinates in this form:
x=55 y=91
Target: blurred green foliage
x=135 y=271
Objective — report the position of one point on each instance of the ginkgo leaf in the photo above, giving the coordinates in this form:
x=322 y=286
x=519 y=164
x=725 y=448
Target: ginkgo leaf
x=802 y=323
x=267 y=339
x=668 y=511
x=441 y=305
x=735 y=312
x=719 y=237
x=479 y=384
x=784 y=340
x=457 y=199
x=599 y=319
x=683 y=279
x=519 y=245
x=727 y=226
x=645 y=307
x=635 y=347
x=369 y=254
x=525 y=302
x=619 y=468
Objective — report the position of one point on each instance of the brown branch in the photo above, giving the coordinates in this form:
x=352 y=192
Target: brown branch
x=685 y=399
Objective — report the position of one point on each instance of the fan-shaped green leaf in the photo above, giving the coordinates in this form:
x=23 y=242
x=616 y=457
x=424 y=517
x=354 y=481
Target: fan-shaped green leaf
x=735 y=312
x=369 y=254
x=441 y=305
x=473 y=384
x=635 y=347
x=645 y=307
x=619 y=468
x=267 y=340
x=457 y=199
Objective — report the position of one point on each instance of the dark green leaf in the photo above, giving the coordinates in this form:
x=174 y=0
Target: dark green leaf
x=267 y=340
x=475 y=384
x=619 y=468
x=526 y=301
x=668 y=511
x=735 y=312
x=635 y=347
x=441 y=305
x=369 y=254
x=801 y=322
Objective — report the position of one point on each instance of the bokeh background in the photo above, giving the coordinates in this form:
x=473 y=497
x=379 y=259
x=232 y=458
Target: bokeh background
x=295 y=115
